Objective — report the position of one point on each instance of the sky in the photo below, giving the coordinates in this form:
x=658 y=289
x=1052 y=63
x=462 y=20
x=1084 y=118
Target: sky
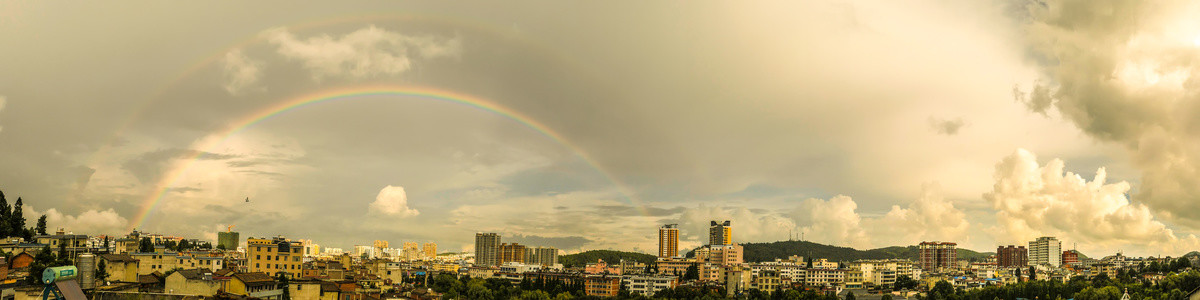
x=587 y=125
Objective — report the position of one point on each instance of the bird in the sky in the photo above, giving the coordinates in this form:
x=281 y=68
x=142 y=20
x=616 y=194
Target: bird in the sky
x=247 y=199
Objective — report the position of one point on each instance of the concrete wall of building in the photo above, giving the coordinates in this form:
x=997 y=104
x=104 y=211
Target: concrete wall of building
x=177 y=284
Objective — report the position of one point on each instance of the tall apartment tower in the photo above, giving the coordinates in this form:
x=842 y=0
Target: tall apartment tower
x=668 y=240
x=720 y=233
x=487 y=249
x=512 y=253
x=546 y=256
x=937 y=255
x=1045 y=250
x=1012 y=256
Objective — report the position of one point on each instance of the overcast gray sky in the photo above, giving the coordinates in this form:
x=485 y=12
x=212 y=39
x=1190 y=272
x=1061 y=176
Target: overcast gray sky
x=587 y=125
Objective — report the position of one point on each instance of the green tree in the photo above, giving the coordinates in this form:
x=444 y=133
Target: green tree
x=1032 y=273
x=145 y=246
x=183 y=245
x=282 y=284
x=41 y=225
x=693 y=273
x=905 y=282
x=849 y=295
x=886 y=297
x=101 y=271
x=5 y=214
x=1017 y=273
x=941 y=290
x=17 y=221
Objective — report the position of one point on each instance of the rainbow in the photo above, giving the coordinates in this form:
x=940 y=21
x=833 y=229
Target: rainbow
x=403 y=92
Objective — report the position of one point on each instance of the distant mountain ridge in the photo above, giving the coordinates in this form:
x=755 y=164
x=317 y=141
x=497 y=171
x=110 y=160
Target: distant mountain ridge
x=759 y=252
x=609 y=256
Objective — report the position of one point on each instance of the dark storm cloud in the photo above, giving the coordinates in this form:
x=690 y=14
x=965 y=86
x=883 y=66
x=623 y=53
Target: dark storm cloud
x=562 y=243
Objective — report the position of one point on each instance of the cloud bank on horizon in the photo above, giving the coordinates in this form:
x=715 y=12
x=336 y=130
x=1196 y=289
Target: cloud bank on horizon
x=832 y=120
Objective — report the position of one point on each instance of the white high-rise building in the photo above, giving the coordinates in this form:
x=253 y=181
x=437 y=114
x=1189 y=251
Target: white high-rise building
x=1045 y=250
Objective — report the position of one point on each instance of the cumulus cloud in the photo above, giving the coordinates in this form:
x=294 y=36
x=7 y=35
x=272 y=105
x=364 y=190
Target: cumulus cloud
x=364 y=53
x=1035 y=200
x=930 y=218
x=392 y=201
x=836 y=221
x=946 y=126
x=748 y=226
x=1124 y=72
x=240 y=72
x=92 y=221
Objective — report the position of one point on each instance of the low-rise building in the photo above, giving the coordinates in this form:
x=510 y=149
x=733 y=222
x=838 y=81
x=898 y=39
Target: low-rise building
x=196 y=282
x=120 y=267
x=256 y=284
x=602 y=285
x=648 y=285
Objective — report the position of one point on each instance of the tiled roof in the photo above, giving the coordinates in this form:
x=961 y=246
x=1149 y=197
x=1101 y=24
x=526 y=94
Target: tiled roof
x=118 y=257
x=255 y=278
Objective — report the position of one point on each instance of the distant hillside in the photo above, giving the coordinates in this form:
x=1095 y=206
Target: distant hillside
x=756 y=252
x=610 y=256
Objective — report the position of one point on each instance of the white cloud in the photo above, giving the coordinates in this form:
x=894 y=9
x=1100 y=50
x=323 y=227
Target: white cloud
x=364 y=53
x=92 y=221
x=241 y=72
x=392 y=201
x=747 y=225
x=1124 y=72
x=832 y=221
x=929 y=218
x=1034 y=200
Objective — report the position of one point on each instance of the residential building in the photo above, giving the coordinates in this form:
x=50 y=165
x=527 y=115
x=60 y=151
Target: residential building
x=601 y=267
x=512 y=253
x=736 y=279
x=767 y=281
x=938 y=255
x=1045 y=250
x=1012 y=256
x=73 y=243
x=730 y=254
x=361 y=251
x=274 y=255
x=1070 y=258
x=675 y=265
x=602 y=285
x=430 y=250
x=120 y=267
x=648 y=285
x=487 y=249
x=311 y=249
x=229 y=240
x=412 y=251
x=199 y=282
x=720 y=233
x=668 y=240
x=545 y=256
x=255 y=284
x=824 y=277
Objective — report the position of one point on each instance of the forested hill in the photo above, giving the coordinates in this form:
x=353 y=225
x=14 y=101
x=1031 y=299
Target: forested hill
x=757 y=252
x=609 y=256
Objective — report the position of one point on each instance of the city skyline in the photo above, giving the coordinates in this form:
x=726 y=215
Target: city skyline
x=591 y=125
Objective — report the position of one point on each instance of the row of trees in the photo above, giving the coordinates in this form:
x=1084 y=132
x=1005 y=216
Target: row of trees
x=147 y=245
x=475 y=288
x=12 y=220
x=1100 y=287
